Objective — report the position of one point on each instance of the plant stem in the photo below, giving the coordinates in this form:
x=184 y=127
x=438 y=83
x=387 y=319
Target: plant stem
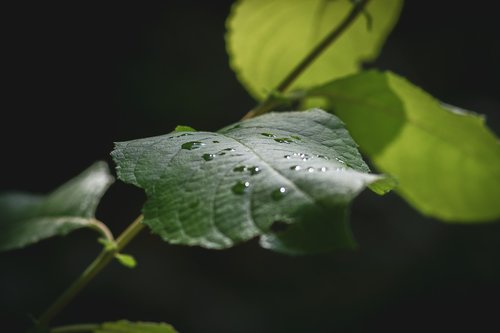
x=95 y=267
x=102 y=229
x=270 y=101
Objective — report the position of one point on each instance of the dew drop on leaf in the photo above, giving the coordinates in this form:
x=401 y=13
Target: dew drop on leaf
x=240 y=187
x=287 y=157
x=283 y=140
x=279 y=193
x=208 y=157
x=295 y=167
x=240 y=168
x=323 y=169
x=310 y=169
x=269 y=135
x=254 y=170
x=192 y=145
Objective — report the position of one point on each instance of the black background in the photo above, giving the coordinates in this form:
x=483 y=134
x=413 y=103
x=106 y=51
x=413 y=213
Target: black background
x=78 y=76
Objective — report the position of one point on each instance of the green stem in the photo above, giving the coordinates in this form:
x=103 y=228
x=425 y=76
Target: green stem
x=270 y=101
x=95 y=267
x=102 y=229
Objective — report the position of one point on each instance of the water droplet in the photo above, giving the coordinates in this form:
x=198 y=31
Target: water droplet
x=297 y=154
x=283 y=140
x=323 y=169
x=287 y=157
x=279 y=193
x=269 y=135
x=310 y=169
x=221 y=153
x=254 y=170
x=192 y=145
x=305 y=157
x=295 y=167
x=340 y=169
x=240 y=187
x=339 y=160
x=208 y=157
x=229 y=149
x=322 y=157
x=295 y=137
x=240 y=168
x=215 y=141
x=184 y=134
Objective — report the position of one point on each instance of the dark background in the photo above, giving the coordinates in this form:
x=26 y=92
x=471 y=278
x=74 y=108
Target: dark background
x=78 y=76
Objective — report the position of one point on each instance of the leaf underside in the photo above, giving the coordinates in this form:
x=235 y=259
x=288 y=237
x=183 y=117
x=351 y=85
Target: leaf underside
x=286 y=177
x=27 y=218
x=266 y=39
x=446 y=161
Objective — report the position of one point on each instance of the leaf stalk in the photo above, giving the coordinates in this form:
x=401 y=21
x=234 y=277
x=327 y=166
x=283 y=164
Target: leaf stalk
x=104 y=258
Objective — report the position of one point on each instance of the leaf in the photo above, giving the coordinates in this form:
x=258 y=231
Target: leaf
x=27 y=218
x=121 y=326
x=126 y=260
x=219 y=189
x=124 y=326
x=266 y=39
x=182 y=128
x=446 y=160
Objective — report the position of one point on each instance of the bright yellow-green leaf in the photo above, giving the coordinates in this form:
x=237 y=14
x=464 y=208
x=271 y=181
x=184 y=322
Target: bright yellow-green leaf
x=447 y=162
x=126 y=260
x=266 y=39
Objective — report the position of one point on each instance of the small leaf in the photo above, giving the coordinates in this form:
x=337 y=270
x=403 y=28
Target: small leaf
x=219 y=189
x=182 y=128
x=121 y=326
x=267 y=39
x=27 y=218
x=126 y=260
x=447 y=162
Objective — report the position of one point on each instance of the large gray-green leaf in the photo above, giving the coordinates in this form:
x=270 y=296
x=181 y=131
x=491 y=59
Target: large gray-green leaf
x=296 y=169
x=266 y=39
x=121 y=326
x=446 y=160
x=27 y=218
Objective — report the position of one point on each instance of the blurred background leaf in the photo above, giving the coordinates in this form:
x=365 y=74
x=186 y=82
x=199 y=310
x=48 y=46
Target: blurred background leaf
x=446 y=161
x=266 y=39
x=84 y=76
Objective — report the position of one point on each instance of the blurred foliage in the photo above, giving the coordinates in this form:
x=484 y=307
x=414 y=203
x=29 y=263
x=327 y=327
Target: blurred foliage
x=79 y=77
